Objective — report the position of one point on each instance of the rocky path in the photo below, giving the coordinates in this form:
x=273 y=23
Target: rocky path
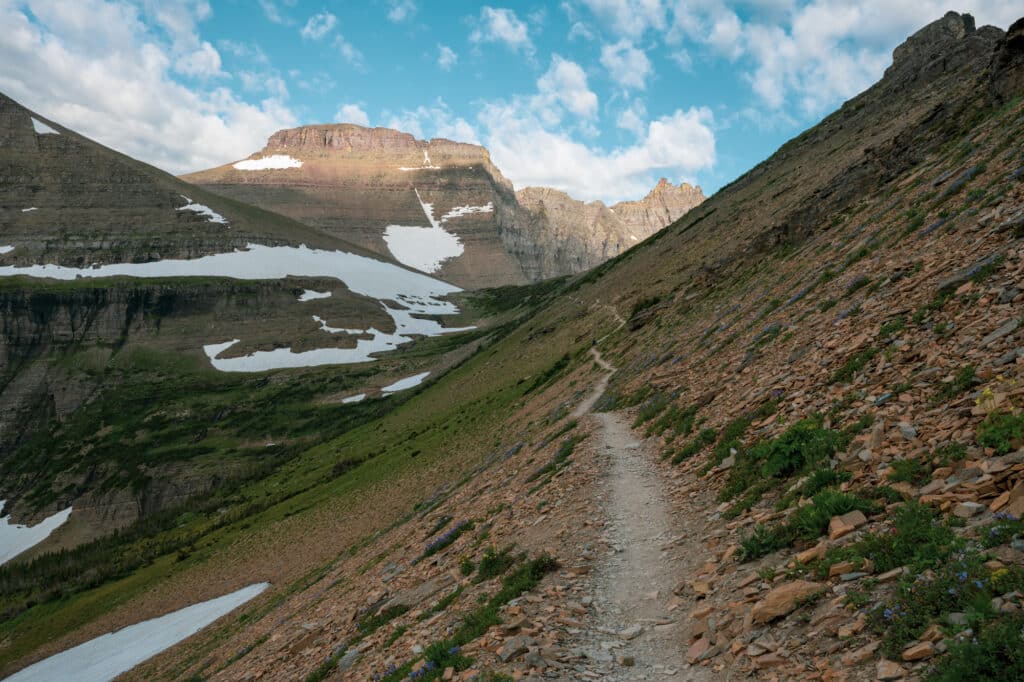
x=638 y=629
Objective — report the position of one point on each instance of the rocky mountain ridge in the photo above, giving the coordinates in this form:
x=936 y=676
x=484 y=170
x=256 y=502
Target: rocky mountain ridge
x=373 y=185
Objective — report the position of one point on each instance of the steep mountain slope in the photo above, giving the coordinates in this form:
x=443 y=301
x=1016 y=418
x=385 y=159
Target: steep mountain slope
x=115 y=276
x=439 y=206
x=796 y=349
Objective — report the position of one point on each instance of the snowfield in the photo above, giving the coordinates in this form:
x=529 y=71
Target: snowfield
x=310 y=295
x=418 y=293
x=406 y=383
x=6 y=249
x=274 y=162
x=211 y=215
x=427 y=248
x=16 y=538
x=107 y=656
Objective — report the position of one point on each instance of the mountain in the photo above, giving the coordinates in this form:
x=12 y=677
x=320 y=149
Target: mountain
x=781 y=438
x=115 y=276
x=439 y=206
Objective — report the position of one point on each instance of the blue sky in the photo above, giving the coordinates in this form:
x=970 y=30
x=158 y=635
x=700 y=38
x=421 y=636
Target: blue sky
x=596 y=97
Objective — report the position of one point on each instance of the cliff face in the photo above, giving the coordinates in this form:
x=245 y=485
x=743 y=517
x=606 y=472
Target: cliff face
x=373 y=185
x=554 y=234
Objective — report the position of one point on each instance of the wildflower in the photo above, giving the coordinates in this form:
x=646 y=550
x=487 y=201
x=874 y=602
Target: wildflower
x=952 y=591
x=961 y=576
x=978 y=584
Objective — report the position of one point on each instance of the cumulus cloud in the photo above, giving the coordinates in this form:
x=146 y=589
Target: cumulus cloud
x=349 y=52
x=433 y=121
x=352 y=113
x=529 y=153
x=632 y=118
x=630 y=18
x=446 y=57
x=502 y=26
x=812 y=55
x=271 y=12
x=94 y=67
x=627 y=65
x=401 y=10
x=319 y=25
x=565 y=83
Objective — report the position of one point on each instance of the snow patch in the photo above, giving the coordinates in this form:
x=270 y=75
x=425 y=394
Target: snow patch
x=357 y=398
x=107 y=656
x=427 y=165
x=339 y=330
x=460 y=211
x=426 y=248
x=274 y=162
x=30 y=208
x=6 y=249
x=310 y=295
x=211 y=215
x=16 y=538
x=418 y=293
x=406 y=383
x=41 y=128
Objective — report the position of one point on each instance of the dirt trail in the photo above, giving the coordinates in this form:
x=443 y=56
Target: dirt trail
x=633 y=582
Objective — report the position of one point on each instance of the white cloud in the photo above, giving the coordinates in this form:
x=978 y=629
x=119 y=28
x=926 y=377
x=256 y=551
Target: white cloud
x=94 y=67
x=204 y=62
x=247 y=51
x=352 y=113
x=401 y=10
x=271 y=12
x=628 y=66
x=319 y=25
x=682 y=59
x=630 y=18
x=349 y=52
x=433 y=121
x=580 y=30
x=565 y=82
x=529 y=153
x=502 y=26
x=632 y=118
x=811 y=56
x=446 y=57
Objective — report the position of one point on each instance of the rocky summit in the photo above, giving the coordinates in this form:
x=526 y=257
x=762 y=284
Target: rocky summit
x=781 y=438
x=436 y=205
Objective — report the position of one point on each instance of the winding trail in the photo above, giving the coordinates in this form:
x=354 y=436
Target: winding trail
x=638 y=632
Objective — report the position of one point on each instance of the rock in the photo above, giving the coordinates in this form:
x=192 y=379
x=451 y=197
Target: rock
x=888 y=670
x=845 y=524
x=349 y=659
x=919 y=651
x=1006 y=328
x=625 y=661
x=966 y=510
x=860 y=655
x=632 y=632
x=516 y=646
x=907 y=431
x=697 y=650
x=783 y=599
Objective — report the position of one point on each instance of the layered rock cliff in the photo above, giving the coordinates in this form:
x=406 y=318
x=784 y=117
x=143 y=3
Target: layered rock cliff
x=399 y=196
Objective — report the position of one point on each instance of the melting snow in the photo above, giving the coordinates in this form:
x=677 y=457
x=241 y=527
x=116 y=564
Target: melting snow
x=211 y=215
x=6 y=249
x=358 y=397
x=406 y=383
x=426 y=248
x=30 y=208
x=275 y=162
x=310 y=295
x=460 y=211
x=16 y=538
x=419 y=294
x=105 y=657
x=338 y=330
x=41 y=128
x=426 y=164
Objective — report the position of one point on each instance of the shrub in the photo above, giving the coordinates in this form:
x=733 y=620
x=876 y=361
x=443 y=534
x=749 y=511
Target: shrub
x=1003 y=431
x=803 y=444
x=960 y=384
x=857 y=362
x=908 y=471
x=996 y=653
x=703 y=439
x=494 y=563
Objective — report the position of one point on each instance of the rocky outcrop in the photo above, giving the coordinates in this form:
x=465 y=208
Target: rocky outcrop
x=356 y=182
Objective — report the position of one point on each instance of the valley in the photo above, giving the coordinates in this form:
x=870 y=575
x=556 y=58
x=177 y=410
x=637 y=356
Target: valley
x=403 y=421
